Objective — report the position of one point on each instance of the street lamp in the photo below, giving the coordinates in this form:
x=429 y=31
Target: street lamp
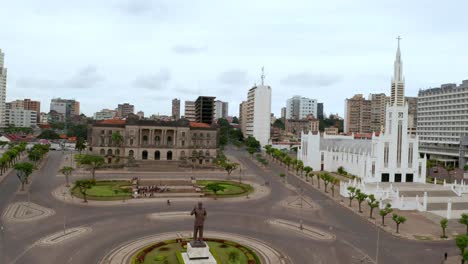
x=377 y=243
x=64 y=213
x=300 y=212
x=240 y=173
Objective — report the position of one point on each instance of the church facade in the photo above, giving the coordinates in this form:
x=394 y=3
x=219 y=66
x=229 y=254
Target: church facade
x=391 y=155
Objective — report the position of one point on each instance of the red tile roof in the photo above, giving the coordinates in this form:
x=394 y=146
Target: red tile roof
x=112 y=122
x=197 y=124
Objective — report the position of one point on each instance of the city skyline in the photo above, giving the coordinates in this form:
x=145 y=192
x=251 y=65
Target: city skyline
x=323 y=59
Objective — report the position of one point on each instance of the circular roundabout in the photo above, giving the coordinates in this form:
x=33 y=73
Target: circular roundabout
x=170 y=247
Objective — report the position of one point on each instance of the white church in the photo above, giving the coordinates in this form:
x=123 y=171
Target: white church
x=390 y=156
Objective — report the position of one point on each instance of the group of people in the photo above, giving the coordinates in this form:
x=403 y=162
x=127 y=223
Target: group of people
x=149 y=191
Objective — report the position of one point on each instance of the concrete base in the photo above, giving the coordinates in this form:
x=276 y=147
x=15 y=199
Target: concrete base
x=198 y=255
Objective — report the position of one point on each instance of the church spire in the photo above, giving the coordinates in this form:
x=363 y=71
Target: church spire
x=398 y=82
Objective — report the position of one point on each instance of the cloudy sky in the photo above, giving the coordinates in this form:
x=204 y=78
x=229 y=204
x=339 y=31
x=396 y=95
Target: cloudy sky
x=147 y=52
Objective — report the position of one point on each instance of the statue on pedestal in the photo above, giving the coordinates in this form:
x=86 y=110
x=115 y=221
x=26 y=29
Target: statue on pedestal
x=200 y=215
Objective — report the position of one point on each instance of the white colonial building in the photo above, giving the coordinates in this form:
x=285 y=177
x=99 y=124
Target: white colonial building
x=389 y=156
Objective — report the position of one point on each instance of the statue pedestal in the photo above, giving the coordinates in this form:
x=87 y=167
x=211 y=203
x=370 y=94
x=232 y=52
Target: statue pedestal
x=198 y=255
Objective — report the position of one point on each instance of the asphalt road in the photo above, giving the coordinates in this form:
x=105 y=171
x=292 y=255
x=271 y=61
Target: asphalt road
x=114 y=225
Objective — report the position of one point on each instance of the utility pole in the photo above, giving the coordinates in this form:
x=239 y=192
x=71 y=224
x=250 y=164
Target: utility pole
x=377 y=243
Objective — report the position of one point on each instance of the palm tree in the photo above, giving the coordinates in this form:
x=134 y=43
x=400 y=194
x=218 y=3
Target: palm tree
x=23 y=170
x=373 y=203
x=464 y=221
x=287 y=160
x=352 y=192
x=443 y=225
x=318 y=180
x=385 y=211
x=66 y=171
x=398 y=219
x=84 y=186
x=360 y=197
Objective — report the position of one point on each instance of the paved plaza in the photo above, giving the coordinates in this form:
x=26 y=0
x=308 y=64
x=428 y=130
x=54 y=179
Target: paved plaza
x=53 y=226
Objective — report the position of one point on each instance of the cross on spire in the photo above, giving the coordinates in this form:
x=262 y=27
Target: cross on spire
x=398 y=38
x=263 y=74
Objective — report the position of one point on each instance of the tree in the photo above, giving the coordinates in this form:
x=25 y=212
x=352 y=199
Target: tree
x=464 y=221
x=252 y=142
x=299 y=167
x=23 y=170
x=327 y=178
x=215 y=188
x=229 y=167
x=66 y=171
x=373 y=203
x=34 y=155
x=235 y=120
x=84 y=186
x=308 y=170
x=443 y=225
x=398 y=219
x=48 y=134
x=360 y=197
x=462 y=242
x=117 y=139
x=385 y=211
x=279 y=124
x=287 y=160
x=94 y=162
x=352 y=192
x=80 y=145
x=334 y=182
x=251 y=151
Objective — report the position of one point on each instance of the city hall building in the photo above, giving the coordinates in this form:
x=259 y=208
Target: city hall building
x=179 y=140
x=391 y=155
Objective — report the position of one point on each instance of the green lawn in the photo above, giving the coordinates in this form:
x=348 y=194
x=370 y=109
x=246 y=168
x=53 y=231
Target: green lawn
x=107 y=190
x=232 y=188
x=167 y=254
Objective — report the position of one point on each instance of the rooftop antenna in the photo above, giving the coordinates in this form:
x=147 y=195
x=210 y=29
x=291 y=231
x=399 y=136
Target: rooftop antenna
x=263 y=75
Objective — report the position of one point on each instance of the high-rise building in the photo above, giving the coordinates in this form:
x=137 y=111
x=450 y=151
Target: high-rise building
x=105 y=114
x=258 y=113
x=412 y=103
x=204 y=109
x=123 y=110
x=442 y=118
x=319 y=110
x=378 y=105
x=357 y=115
x=190 y=110
x=19 y=117
x=176 y=109
x=221 y=109
x=3 y=79
x=298 y=126
x=243 y=117
x=299 y=107
x=283 y=113
x=27 y=104
x=68 y=108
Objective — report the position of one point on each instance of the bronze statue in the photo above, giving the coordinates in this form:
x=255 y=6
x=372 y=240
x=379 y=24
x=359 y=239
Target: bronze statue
x=200 y=215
